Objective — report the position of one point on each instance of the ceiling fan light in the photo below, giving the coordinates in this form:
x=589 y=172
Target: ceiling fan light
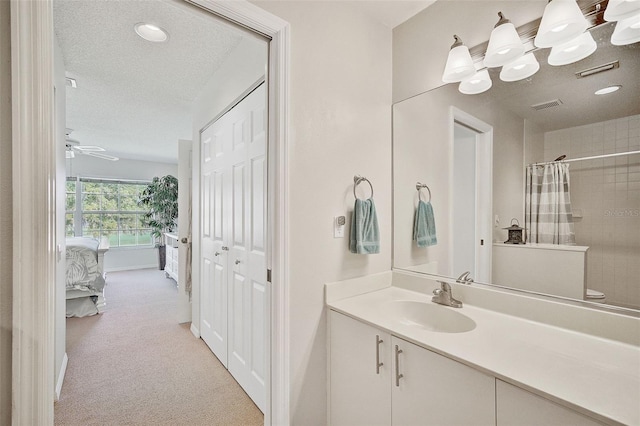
x=573 y=51
x=562 y=21
x=477 y=83
x=504 y=44
x=459 y=63
x=521 y=68
x=627 y=31
x=618 y=10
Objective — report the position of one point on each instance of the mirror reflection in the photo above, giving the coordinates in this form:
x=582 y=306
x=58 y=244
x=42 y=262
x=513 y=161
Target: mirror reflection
x=473 y=151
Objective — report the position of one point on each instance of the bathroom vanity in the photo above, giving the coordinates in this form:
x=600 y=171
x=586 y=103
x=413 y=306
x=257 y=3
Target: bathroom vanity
x=397 y=358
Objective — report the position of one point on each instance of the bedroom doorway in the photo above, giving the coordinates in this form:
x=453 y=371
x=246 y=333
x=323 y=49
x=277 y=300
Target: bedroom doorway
x=36 y=141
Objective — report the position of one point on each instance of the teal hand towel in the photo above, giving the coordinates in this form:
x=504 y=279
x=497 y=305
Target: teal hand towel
x=424 y=225
x=365 y=236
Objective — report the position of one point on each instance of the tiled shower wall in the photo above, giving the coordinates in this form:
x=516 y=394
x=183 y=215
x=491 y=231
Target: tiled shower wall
x=606 y=193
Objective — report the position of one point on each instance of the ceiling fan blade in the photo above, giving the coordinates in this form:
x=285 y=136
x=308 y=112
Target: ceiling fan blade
x=101 y=155
x=88 y=148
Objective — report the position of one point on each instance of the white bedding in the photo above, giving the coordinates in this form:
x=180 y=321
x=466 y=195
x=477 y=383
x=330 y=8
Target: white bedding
x=83 y=272
x=84 y=278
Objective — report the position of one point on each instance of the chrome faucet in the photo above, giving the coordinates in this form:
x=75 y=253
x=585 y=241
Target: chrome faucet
x=465 y=278
x=443 y=296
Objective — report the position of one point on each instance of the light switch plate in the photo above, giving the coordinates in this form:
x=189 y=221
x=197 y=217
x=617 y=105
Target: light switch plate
x=338 y=226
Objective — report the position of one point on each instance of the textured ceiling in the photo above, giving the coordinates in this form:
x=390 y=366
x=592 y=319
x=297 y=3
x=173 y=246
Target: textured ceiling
x=134 y=97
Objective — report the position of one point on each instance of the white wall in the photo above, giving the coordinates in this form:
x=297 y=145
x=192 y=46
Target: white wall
x=340 y=123
x=423 y=152
x=118 y=259
x=61 y=264
x=6 y=216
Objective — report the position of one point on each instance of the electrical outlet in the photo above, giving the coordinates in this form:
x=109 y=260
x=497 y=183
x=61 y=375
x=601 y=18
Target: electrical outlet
x=338 y=226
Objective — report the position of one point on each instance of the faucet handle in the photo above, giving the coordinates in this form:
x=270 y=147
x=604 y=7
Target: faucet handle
x=437 y=291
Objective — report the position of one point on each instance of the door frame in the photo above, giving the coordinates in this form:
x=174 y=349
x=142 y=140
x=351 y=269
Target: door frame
x=484 y=190
x=34 y=183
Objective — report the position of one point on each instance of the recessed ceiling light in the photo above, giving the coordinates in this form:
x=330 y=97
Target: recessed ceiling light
x=151 y=32
x=609 y=89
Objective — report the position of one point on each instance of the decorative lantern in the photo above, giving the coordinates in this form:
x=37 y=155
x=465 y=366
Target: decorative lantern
x=515 y=233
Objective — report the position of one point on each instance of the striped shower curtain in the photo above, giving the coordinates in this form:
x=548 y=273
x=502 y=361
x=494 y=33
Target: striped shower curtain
x=547 y=216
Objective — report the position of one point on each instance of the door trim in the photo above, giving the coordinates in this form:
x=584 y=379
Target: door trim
x=34 y=204
x=484 y=190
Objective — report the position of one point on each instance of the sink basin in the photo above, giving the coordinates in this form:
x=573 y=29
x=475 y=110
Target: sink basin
x=429 y=316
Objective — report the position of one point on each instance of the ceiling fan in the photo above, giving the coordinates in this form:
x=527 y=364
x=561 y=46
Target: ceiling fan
x=73 y=147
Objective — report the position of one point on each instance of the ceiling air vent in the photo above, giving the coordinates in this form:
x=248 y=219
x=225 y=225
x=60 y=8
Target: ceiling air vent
x=548 y=104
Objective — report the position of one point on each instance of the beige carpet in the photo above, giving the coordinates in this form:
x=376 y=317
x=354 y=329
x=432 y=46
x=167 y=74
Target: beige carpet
x=134 y=365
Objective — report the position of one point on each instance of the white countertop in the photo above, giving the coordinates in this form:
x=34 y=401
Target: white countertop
x=592 y=375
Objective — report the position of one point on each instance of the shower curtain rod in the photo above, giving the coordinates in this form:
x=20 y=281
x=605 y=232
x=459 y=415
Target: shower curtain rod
x=595 y=157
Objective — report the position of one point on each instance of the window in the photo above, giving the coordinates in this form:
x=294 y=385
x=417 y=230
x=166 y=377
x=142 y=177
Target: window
x=102 y=208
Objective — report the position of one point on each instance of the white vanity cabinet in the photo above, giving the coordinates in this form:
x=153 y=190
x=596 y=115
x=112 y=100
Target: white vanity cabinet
x=517 y=407
x=436 y=390
x=360 y=377
x=369 y=387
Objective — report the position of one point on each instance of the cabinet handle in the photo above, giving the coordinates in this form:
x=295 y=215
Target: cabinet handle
x=378 y=363
x=225 y=248
x=237 y=261
x=216 y=253
x=398 y=375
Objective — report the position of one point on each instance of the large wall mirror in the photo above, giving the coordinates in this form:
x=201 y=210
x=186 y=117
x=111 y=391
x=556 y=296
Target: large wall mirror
x=472 y=152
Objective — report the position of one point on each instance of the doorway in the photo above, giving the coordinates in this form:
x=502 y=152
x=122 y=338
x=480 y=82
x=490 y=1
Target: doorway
x=32 y=58
x=471 y=201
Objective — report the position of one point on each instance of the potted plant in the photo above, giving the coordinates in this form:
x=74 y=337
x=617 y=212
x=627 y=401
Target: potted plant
x=160 y=198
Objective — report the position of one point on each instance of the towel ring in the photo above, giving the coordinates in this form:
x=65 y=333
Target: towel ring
x=419 y=186
x=356 y=181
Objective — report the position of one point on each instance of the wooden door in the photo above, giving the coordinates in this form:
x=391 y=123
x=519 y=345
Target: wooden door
x=234 y=306
x=247 y=262
x=215 y=177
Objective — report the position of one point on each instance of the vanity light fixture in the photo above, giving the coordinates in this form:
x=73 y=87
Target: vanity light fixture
x=562 y=21
x=151 y=32
x=477 y=83
x=521 y=68
x=504 y=44
x=609 y=89
x=459 y=63
x=573 y=50
x=618 y=10
x=627 y=31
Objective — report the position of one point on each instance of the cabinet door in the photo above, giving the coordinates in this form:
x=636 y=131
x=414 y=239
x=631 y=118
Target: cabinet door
x=360 y=392
x=435 y=390
x=516 y=406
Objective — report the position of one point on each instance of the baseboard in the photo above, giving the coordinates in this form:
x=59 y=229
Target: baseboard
x=195 y=331
x=132 y=268
x=63 y=370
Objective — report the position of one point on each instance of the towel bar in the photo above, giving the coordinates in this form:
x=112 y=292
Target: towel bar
x=419 y=186
x=356 y=181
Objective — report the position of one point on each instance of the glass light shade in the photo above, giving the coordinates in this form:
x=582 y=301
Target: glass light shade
x=618 y=10
x=573 y=51
x=521 y=68
x=504 y=46
x=562 y=21
x=477 y=83
x=459 y=65
x=627 y=31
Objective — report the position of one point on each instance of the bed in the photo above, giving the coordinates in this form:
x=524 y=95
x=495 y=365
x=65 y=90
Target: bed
x=85 y=277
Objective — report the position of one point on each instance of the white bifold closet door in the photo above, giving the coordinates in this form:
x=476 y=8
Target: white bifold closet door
x=234 y=315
